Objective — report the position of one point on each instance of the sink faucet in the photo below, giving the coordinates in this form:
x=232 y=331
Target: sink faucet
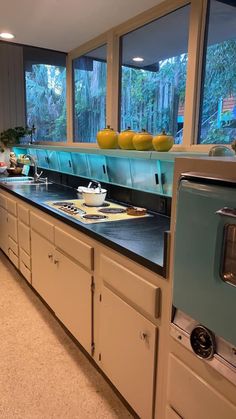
x=34 y=164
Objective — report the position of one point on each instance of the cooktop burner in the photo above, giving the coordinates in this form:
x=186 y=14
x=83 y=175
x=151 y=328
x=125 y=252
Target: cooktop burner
x=76 y=209
x=94 y=217
x=105 y=204
x=112 y=210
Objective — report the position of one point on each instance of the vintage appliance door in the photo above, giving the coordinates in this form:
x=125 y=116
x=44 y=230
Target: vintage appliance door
x=205 y=253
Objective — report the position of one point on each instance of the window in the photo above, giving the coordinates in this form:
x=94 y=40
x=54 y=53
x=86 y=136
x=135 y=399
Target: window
x=90 y=73
x=45 y=85
x=217 y=123
x=153 y=75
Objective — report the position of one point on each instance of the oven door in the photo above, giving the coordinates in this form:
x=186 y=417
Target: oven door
x=205 y=253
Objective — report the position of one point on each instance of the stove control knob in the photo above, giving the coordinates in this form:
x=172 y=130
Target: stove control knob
x=203 y=342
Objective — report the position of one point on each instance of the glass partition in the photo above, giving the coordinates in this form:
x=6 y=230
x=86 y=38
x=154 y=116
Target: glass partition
x=167 y=174
x=65 y=162
x=80 y=164
x=152 y=174
x=118 y=171
x=153 y=75
x=89 y=88
x=146 y=175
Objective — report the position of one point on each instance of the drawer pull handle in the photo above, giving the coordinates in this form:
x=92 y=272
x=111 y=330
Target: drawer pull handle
x=143 y=336
x=49 y=255
x=228 y=212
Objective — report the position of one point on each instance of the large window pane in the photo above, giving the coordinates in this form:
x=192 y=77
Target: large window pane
x=45 y=84
x=218 y=101
x=153 y=90
x=90 y=73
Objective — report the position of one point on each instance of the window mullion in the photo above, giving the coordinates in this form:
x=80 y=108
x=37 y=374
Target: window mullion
x=193 y=84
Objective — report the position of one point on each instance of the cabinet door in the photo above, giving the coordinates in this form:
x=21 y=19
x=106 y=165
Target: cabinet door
x=192 y=397
x=12 y=227
x=128 y=343
x=73 y=304
x=171 y=414
x=24 y=237
x=43 y=278
x=3 y=230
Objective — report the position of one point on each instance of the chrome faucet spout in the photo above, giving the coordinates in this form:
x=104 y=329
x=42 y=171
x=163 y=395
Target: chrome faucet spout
x=34 y=164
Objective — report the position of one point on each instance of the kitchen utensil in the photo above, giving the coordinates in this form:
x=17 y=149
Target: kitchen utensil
x=93 y=196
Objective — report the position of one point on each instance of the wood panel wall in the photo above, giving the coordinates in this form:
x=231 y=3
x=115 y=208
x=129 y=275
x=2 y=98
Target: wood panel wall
x=12 y=100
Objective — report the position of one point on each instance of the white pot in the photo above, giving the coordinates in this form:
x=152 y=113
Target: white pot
x=94 y=198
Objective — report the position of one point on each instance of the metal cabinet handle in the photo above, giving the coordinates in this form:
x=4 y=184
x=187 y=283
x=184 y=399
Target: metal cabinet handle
x=227 y=212
x=143 y=336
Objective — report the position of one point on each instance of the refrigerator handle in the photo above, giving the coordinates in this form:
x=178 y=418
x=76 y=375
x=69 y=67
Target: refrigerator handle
x=227 y=212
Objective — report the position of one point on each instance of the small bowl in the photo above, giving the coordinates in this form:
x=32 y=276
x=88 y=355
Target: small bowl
x=94 y=199
x=3 y=169
x=14 y=170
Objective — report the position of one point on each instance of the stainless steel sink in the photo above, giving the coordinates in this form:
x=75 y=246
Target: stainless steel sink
x=23 y=181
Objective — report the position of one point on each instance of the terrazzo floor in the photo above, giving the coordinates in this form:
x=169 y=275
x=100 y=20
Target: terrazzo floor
x=43 y=374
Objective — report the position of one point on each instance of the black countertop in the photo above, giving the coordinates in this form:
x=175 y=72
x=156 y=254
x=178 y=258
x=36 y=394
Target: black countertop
x=142 y=240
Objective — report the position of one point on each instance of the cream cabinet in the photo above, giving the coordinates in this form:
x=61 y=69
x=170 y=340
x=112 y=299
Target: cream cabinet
x=9 y=229
x=24 y=242
x=171 y=414
x=3 y=230
x=43 y=270
x=73 y=304
x=110 y=304
x=65 y=286
x=128 y=347
x=192 y=397
x=129 y=313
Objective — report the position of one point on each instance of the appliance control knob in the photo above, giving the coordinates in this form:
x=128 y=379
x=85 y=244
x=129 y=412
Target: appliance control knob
x=203 y=342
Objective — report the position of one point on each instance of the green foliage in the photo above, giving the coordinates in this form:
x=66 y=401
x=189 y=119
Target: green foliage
x=89 y=101
x=151 y=99
x=46 y=101
x=12 y=136
x=219 y=84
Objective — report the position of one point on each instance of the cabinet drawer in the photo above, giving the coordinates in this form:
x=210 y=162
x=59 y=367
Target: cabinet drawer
x=192 y=397
x=25 y=258
x=43 y=227
x=75 y=248
x=3 y=201
x=13 y=258
x=13 y=245
x=142 y=293
x=24 y=237
x=25 y=271
x=11 y=206
x=128 y=348
x=171 y=414
x=12 y=227
x=23 y=214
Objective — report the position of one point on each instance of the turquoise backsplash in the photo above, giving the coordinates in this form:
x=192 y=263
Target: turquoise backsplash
x=144 y=171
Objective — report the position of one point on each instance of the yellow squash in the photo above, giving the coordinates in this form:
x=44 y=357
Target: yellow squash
x=142 y=140
x=125 y=139
x=163 y=142
x=107 y=138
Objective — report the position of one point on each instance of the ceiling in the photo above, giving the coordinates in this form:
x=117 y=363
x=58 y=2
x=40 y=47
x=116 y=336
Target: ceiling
x=65 y=24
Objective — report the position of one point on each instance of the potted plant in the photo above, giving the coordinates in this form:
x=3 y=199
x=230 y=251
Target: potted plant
x=12 y=136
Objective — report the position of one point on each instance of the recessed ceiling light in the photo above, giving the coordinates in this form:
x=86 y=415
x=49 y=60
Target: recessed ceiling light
x=7 y=35
x=138 y=59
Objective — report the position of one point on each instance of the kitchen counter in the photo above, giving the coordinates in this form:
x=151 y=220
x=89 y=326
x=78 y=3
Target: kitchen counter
x=142 y=240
